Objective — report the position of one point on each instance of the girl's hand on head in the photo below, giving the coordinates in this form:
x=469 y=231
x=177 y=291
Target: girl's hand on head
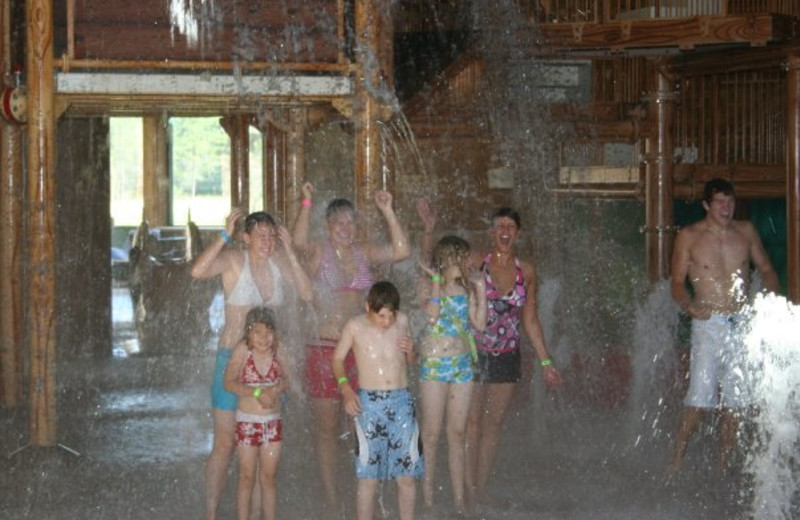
x=476 y=280
x=235 y=215
x=285 y=238
x=307 y=190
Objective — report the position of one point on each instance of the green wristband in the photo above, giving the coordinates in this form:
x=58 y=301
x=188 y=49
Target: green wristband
x=436 y=278
x=546 y=362
x=342 y=380
x=257 y=392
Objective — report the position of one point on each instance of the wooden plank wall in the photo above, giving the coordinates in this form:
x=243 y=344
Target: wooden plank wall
x=271 y=31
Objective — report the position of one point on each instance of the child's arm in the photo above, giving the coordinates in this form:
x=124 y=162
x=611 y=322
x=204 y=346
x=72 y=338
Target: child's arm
x=233 y=372
x=428 y=217
x=213 y=260
x=352 y=404
x=430 y=292
x=298 y=274
x=478 y=307
x=406 y=344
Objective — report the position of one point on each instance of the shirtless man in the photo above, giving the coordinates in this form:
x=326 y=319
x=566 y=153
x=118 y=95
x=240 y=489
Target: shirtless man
x=715 y=255
x=383 y=408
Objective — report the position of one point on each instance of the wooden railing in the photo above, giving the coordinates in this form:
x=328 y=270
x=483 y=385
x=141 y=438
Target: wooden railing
x=602 y=11
x=733 y=118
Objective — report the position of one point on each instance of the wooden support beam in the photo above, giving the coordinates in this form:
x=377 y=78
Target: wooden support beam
x=11 y=194
x=40 y=222
x=156 y=190
x=793 y=177
x=238 y=129
x=274 y=139
x=370 y=17
x=683 y=33
x=659 y=171
x=295 y=171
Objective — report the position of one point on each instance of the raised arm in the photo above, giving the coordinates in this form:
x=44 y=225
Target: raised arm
x=212 y=261
x=299 y=276
x=300 y=237
x=534 y=331
x=233 y=372
x=429 y=218
x=398 y=248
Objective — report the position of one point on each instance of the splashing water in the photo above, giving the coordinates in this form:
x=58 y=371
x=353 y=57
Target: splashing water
x=773 y=350
x=655 y=362
x=182 y=17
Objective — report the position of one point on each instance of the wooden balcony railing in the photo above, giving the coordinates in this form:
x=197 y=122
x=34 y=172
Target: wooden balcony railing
x=604 y=11
x=733 y=118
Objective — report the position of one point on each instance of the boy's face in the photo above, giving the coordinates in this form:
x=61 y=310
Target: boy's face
x=383 y=319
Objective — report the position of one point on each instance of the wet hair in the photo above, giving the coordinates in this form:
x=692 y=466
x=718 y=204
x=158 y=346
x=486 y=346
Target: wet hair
x=511 y=213
x=451 y=248
x=715 y=186
x=338 y=205
x=258 y=217
x=262 y=315
x=382 y=295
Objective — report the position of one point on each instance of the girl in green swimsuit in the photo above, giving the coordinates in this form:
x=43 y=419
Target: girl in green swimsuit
x=454 y=299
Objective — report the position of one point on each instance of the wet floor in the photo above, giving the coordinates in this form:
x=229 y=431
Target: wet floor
x=142 y=429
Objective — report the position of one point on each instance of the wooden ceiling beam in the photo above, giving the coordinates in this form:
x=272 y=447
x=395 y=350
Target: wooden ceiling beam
x=680 y=33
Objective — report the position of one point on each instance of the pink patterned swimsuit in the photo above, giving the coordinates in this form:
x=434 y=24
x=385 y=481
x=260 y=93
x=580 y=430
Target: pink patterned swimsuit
x=502 y=332
x=258 y=429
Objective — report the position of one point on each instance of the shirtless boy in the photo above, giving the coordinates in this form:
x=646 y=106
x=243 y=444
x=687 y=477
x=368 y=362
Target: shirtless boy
x=715 y=255
x=385 y=417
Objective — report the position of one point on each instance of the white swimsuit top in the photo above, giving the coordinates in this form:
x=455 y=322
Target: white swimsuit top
x=246 y=293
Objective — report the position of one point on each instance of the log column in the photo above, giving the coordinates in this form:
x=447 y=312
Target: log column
x=11 y=192
x=274 y=140
x=156 y=170
x=659 y=174
x=793 y=177
x=238 y=129
x=295 y=171
x=371 y=19
x=40 y=222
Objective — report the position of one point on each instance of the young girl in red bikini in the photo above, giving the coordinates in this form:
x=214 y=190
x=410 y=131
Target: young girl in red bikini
x=256 y=374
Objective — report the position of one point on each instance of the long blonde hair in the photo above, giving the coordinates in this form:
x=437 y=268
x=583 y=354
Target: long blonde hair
x=452 y=248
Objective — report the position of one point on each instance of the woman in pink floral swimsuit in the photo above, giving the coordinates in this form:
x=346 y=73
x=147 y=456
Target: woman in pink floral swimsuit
x=511 y=295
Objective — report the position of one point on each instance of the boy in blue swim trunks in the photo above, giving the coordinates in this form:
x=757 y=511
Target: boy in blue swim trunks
x=383 y=409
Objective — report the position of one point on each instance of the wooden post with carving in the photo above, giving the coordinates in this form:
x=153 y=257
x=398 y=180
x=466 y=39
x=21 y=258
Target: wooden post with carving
x=40 y=222
x=793 y=177
x=659 y=174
